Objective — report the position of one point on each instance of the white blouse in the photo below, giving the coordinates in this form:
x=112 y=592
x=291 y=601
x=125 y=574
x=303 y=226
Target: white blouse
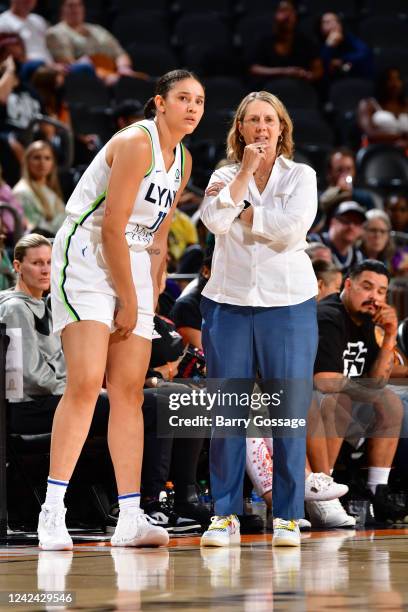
x=263 y=265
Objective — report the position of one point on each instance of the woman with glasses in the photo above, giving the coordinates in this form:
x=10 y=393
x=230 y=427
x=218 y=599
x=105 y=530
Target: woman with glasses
x=376 y=241
x=259 y=305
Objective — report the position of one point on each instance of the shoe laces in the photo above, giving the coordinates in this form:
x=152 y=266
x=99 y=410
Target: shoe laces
x=283 y=524
x=320 y=481
x=220 y=523
x=54 y=518
x=135 y=520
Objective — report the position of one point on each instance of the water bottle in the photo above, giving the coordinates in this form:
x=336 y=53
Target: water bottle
x=258 y=505
x=170 y=493
x=205 y=495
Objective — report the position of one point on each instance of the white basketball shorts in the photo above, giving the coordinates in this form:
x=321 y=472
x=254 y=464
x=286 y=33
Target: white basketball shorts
x=81 y=287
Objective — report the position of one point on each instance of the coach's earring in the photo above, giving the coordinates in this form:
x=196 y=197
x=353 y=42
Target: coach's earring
x=240 y=138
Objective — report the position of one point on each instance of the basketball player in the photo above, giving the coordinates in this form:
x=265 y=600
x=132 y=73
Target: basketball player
x=107 y=262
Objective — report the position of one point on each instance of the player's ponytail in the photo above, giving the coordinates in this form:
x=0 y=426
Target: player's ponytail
x=149 y=109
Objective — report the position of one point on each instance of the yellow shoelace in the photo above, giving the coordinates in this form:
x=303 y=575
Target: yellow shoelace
x=220 y=522
x=289 y=525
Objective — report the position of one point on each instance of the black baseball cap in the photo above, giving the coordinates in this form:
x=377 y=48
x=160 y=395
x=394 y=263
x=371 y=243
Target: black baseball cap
x=350 y=206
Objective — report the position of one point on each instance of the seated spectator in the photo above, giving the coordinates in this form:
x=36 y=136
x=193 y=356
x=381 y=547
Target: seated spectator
x=342 y=53
x=329 y=278
x=186 y=310
x=39 y=190
x=317 y=250
x=376 y=242
x=182 y=234
x=49 y=84
x=396 y=206
x=259 y=467
x=20 y=19
x=7 y=197
x=43 y=359
x=345 y=230
x=351 y=372
x=190 y=201
x=73 y=41
x=340 y=176
x=7 y=276
x=165 y=457
x=287 y=52
x=19 y=105
x=384 y=118
x=126 y=113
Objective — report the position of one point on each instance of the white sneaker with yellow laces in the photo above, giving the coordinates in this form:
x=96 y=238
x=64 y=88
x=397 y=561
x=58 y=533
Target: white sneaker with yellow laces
x=285 y=533
x=223 y=531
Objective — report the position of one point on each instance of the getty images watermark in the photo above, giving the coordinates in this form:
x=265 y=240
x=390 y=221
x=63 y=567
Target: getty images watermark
x=226 y=409
x=356 y=410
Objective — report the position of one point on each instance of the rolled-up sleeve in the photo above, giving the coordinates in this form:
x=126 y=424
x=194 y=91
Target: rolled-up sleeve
x=220 y=211
x=288 y=224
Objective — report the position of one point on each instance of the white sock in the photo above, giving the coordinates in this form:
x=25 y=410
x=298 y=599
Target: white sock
x=377 y=476
x=56 y=490
x=129 y=501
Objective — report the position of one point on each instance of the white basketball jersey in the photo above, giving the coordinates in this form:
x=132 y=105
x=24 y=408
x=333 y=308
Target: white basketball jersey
x=153 y=201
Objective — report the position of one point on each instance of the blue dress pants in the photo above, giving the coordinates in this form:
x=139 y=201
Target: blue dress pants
x=278 y=343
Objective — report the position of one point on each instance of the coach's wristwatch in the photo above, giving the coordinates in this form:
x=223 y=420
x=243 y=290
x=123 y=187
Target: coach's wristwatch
x=246 y=205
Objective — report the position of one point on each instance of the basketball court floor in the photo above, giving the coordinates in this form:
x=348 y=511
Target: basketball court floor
x=334 y=571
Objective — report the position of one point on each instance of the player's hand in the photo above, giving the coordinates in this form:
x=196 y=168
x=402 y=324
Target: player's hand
x=126 y=318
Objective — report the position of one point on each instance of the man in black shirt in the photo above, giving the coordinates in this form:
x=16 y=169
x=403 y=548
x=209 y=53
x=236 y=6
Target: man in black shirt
x=351 y=367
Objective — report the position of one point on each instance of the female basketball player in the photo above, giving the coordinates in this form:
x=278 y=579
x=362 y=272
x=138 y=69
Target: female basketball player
x=106 y=265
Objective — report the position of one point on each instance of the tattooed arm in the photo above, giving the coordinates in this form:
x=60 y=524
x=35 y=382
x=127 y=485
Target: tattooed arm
x=381 y=369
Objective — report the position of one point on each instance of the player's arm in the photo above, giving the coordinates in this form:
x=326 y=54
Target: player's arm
x=158 y=250
x=126 y=176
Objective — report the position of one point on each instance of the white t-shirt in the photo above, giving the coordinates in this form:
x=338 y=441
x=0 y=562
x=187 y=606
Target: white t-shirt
x=263 y=265
x=32 y=30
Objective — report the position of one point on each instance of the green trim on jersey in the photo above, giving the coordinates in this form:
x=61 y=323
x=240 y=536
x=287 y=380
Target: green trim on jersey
x=63 y=277
x=142 y=127
x=183 y=158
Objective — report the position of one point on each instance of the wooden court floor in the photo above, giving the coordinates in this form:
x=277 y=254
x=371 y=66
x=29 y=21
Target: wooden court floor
x=334 y=571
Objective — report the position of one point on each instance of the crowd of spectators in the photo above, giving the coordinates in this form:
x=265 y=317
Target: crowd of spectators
x=68 y=81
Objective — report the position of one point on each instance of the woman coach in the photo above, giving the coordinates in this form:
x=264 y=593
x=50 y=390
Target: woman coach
x=259 y=306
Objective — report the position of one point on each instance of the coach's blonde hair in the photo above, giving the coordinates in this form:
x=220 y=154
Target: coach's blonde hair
x=235 y=143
